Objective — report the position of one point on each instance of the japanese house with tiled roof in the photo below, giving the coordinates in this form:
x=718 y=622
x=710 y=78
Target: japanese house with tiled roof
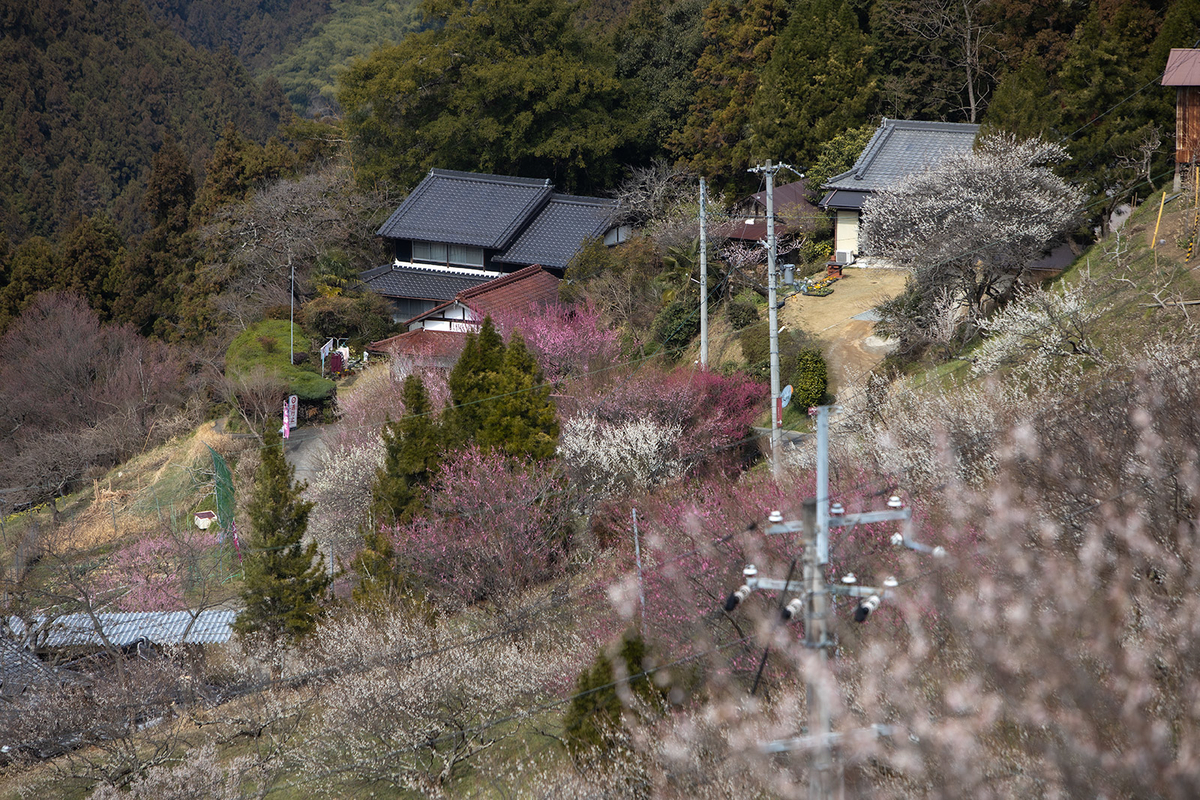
x=898 y=149
x=436 y=337
x=458 y=230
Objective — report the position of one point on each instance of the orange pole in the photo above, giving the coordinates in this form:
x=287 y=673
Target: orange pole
x=1154 y=243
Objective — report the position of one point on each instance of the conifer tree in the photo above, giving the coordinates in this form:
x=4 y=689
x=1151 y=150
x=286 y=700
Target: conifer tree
x=521 y=420
x=412 y=450
x=594 y=715
x=285 y=579
x=473 y=381
x=816 y=85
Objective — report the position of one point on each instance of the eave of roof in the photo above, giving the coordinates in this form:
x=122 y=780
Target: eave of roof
x=1183 y=67
x=418 y=282
x=466 y=208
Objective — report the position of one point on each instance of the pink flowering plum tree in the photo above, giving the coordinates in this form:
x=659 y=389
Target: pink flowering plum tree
x=566 y=340
x=496 y=526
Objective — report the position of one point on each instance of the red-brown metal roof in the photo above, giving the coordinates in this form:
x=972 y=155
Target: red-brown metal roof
x=1183 y=68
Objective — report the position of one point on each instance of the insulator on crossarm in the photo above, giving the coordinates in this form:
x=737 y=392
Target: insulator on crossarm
x=737 y=598
x=792 y=609
x=865 y=608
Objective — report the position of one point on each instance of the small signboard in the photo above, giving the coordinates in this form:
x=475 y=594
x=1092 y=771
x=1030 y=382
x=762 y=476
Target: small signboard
x=786 y=397
x=293 y=407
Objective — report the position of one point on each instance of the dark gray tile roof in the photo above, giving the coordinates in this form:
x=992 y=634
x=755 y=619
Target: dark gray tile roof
x=20 y=668
x=467 y=208
x=211 y=626
x=555 y=236
x=900 y=148
x=421 y=283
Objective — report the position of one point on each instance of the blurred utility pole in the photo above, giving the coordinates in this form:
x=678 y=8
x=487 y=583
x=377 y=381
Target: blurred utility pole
x=703 y=279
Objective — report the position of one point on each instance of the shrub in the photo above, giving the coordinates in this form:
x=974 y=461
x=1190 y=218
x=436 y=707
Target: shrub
x=800 y=362
x=741 y=314
x=676 y=325
x=361 y=319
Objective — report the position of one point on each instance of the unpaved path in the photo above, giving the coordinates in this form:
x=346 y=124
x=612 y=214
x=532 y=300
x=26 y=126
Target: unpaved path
x=850 y=346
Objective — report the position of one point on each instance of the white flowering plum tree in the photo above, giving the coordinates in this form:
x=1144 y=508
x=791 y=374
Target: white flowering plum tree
x=972 y=225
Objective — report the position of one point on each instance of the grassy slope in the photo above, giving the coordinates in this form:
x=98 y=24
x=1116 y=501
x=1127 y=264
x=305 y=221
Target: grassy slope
x=266 y=344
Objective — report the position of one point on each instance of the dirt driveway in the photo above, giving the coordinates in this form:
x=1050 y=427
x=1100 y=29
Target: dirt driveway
x=850 y=346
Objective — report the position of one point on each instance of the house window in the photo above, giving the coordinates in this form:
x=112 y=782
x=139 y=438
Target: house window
x=432 y=252
x=466 y=256
x=440 y=253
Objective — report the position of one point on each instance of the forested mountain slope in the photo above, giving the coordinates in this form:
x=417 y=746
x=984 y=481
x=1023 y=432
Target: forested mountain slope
x=89 y=90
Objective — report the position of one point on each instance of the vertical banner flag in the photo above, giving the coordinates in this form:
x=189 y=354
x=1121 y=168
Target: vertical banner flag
x=287 y=427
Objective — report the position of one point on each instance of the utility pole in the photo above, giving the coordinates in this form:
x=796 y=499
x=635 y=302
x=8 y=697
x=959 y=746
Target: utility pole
x=816 y=639
x=703 y=280
x=813 y=601
x=773 y=323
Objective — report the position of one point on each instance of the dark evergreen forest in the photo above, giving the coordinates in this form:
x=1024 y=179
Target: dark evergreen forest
x=126 y=127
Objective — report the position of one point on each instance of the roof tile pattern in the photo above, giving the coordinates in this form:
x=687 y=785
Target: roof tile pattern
x=19 y=668
x=211 y=626
x=901 y=147
x=466 y=208
x=422 y=283
x=553 y=238
x=512 y=293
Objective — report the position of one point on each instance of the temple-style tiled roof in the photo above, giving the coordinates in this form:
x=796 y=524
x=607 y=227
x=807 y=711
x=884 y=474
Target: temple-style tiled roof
x=467 y=208
x=554 y=237
x=899 y=148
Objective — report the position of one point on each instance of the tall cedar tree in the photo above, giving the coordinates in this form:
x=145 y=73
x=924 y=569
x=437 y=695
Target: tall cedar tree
x=412 y=451
x=816 y=85
x=498 y=398
x=521 y=421
x=474 y=379
x=285 y=579
x=513 y=87
x=740 y=37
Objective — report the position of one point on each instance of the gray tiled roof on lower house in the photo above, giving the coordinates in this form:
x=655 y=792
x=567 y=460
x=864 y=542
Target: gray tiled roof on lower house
x=898 y=149
x=211 y=626
x=422 y=283
x=20 y=668
x=557 y=233
x=467 y=208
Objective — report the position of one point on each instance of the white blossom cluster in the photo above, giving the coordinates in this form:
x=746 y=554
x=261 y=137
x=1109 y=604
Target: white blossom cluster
x=342 y=493
x=1037 y=330
x=606 y=456
x=407 y=705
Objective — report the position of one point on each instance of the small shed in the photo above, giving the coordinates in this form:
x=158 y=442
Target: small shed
x=1183 y=72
